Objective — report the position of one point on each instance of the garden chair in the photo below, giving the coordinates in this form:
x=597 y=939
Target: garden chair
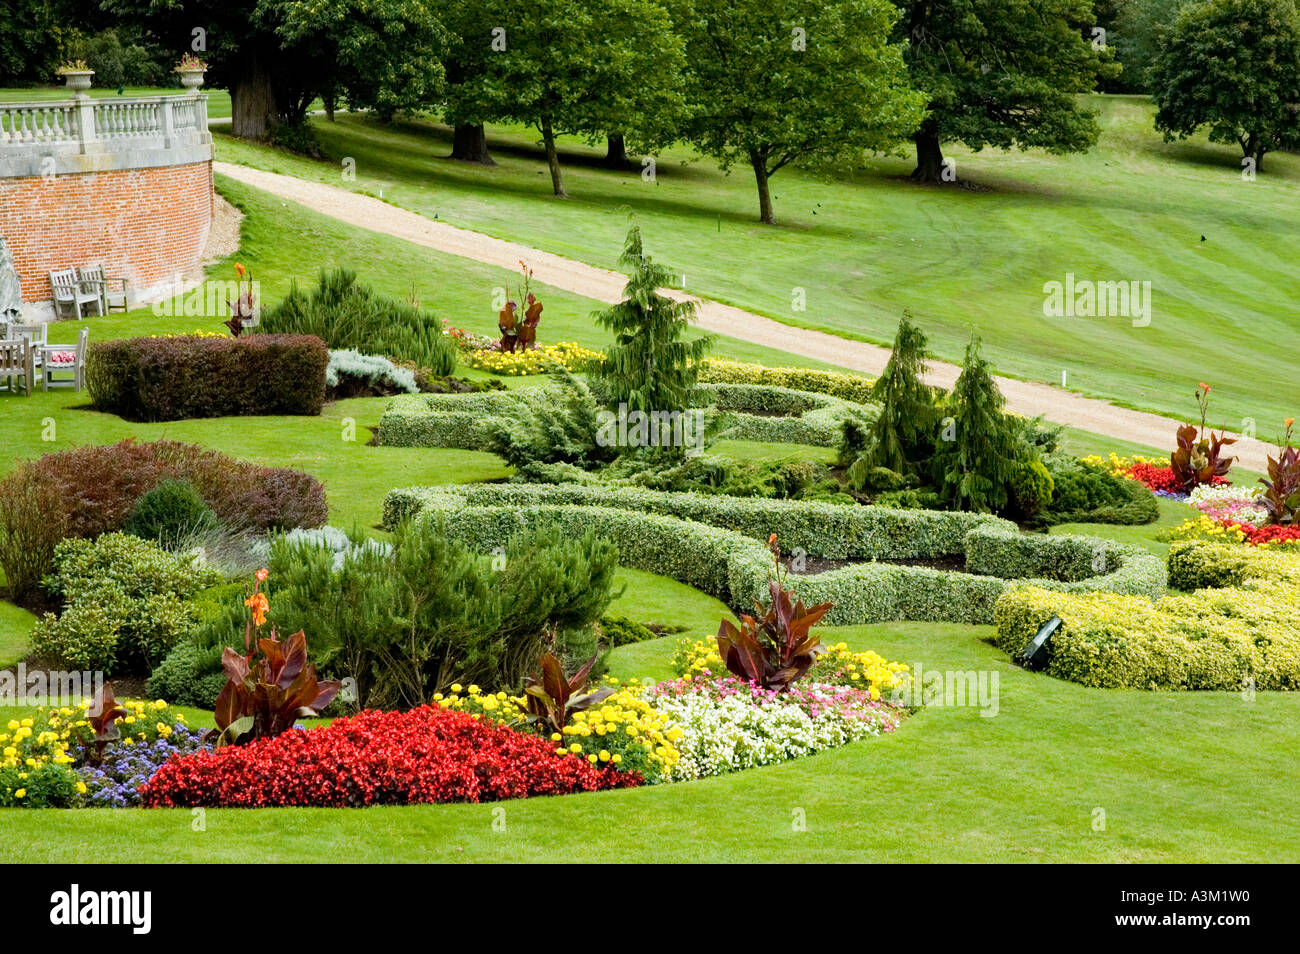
x=66 y=358
x=16 y=362
x=69 y=294
x=36 y=337
x=92 y=279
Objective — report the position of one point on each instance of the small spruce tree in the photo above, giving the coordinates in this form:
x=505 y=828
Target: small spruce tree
x=903 y=435
x=649 y=366
x=977 y=458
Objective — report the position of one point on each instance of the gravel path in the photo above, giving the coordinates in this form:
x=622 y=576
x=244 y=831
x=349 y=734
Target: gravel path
x=1063 y=407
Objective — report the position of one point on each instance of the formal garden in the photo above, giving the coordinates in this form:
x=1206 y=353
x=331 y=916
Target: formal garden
x=399 y=554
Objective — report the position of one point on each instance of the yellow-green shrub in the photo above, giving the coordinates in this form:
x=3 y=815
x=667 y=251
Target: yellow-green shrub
x=849 y=387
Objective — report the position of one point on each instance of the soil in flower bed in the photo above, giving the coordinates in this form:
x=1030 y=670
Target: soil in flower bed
x=950 y=564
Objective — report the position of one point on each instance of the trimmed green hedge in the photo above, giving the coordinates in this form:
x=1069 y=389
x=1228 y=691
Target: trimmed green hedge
x=848 y=387
x=463 y=421
x=717 y=545
x=802 y=416
x=442 y=420
x=1213 y=638
x=834 y=531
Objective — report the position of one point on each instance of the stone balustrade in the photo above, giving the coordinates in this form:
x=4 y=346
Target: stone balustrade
x=85 y=134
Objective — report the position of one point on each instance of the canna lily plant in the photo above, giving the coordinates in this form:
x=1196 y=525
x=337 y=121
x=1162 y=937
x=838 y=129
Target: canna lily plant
x=775 y=649
x=1199 y=458
x=269 y=687
x=1282 y=487
x=553 y=697
x=102 y=718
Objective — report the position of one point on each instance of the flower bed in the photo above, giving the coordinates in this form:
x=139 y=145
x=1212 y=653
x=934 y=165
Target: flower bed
x=1213 y=531
x=726 y=724
x=1228 y=504
x=46 y=762
x=425 y=755
x=1156 y=474
x=544 y=359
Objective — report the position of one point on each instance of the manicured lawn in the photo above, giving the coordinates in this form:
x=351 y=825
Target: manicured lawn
x=1179 y=776
x=866 y=245
x=1175 y=776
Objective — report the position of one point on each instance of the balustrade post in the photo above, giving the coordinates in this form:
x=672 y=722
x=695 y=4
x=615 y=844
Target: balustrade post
x=168 y=123
x=85 y=112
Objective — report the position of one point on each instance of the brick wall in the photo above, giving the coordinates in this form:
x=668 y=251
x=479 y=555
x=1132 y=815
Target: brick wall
x=143 y=224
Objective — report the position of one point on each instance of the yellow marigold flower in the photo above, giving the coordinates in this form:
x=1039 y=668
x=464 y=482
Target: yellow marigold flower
x=20 y=793
x=575 y=748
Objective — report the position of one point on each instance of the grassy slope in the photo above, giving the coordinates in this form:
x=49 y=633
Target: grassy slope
x=867 y=245
x=1180 y=777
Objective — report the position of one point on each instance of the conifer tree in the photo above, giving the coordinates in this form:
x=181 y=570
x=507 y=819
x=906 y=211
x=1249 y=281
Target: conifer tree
x=976 y=457
x=904 y=433
x=649 y=366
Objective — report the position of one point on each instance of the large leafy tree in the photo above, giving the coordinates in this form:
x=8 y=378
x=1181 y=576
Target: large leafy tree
x=33 y=34
x=276 y=56
x=775 y=82
x=1234 y=66
x=650 y=366
x=1001 y=73
x=1133 y=32
x=580 y=67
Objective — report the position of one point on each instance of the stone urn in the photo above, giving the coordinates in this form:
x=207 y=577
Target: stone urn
x=191 y=79
x=78 y=80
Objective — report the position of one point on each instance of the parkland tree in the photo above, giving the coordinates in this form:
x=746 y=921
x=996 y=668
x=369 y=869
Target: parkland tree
x=1001 y=73
x=1233 y=66
x=770 y=83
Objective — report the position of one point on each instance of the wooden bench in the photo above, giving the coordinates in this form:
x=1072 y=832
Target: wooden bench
x=70 y=293
x=92 y=278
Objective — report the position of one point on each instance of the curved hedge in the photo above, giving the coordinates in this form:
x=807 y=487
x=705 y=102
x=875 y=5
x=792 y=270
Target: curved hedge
x=442 y=420
x=1218 y=637
x=716 y=545
x=782 y=415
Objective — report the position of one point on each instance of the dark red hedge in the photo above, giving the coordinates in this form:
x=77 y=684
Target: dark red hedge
x=186 y=376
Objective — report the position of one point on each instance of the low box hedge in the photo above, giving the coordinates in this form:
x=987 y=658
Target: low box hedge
x=1217 y=637
x=834 y=531
x=461 y=421
x=734 y=565
x=783 y=415
x=1213 y=639
x=849 y=387
x=178 y=377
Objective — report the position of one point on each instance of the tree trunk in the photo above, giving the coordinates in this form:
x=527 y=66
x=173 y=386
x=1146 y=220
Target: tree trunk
x=252 y=101
x=469 y=144
x=615 y=152
x=764 y=196
x=553 y=160
x=330 y=102
x=929 y=156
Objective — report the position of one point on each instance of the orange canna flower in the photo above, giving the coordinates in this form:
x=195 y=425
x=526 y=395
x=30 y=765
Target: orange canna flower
x=240 y=269
x=259 y=606
x=1289 y=421
x=771 y=539
x=262 y=574
x=1205 y=387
